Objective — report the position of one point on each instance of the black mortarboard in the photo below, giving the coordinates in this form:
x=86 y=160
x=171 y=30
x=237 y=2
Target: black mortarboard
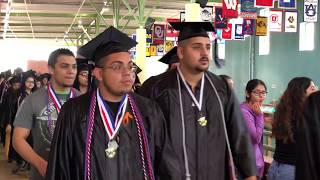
x=192 y=29
x=8 y=73
x=170 y=57
x=110 y=41
x=44 y=75
x=15 y=79
x=29 y=73
x=139 y=70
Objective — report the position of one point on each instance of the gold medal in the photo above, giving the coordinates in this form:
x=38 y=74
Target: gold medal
x=202 y=121
x=111 y=151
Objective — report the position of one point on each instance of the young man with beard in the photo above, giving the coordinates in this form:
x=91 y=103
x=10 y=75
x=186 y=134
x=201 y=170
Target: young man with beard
x=38 y=112
x=203 y=115
x=111 y=133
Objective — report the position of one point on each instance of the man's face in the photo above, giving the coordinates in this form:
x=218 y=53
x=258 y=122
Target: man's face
x=117 y=74
x=64 y=71
x=195 y=54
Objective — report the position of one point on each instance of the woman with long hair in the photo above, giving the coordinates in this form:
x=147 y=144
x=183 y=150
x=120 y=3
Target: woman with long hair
x=256 y=92
x=81 y=81
x=288 y=113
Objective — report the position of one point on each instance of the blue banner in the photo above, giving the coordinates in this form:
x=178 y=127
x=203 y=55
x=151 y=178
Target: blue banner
x=287 y=4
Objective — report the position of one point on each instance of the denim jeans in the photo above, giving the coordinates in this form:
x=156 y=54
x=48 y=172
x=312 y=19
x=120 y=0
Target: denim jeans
x=279 y=171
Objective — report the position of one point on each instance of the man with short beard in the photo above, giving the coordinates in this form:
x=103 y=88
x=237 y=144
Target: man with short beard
x=203 y=115
x=38 y=113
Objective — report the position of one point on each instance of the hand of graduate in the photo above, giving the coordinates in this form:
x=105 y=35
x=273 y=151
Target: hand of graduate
x=42 y=167
x=8 y=128
x=255 y=107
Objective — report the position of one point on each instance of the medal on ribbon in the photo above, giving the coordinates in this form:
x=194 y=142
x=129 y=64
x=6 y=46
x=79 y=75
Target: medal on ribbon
x=112 y=125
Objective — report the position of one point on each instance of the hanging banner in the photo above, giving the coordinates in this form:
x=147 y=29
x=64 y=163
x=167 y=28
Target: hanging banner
x=264 y=3
x=220 y=21
x=153 y=50
x=261 y=27
x=169 y=45
x=238 y=32
x=248 y=11
x=227 y=32
x=248 y=26
x=148 y=51
x=287 y=4
x=310 y=10
x=149 y=37
x=170 y=32
x=158 y=34
x=275 y=21
x=206 y=13
x=291 y=21
x=160 y=50
x=230 y=8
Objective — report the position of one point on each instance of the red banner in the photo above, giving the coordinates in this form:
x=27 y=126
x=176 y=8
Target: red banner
x=158 y=34
x=230 y=8
x=264 y=3
x=170 y=32
x=227 y=32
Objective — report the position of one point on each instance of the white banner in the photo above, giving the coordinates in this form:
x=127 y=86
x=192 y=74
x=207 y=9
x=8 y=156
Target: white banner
x=291 y=21
x=310 y=10
x=275 y=21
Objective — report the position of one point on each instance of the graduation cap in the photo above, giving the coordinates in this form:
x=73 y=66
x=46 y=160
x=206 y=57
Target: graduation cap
x=192 y=29
x=15 y=79
x=44 y=75
x=108 y=42
x=170 y=57
x=27 y=74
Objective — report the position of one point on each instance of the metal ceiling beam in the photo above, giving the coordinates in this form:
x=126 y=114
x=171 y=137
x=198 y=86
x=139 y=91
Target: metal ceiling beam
x=61 y=25
x=66 y=15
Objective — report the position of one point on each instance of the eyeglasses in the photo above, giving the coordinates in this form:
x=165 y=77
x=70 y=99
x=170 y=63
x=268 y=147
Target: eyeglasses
x=30 y=82
x=119 y=67
x=258 y=94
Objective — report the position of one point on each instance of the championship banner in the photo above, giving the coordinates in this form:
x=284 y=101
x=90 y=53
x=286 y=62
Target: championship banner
x=248 y=26
x=230 y=8
x=153 y=50
x=310 y=10
x=158 y=34
x=248 y=11
x=264 y=3
x=170 y=32
x=238 y=32
x=160 y=50
x=149 y=37
x=220 y=21
x=148 y=51
x=275 y=21
x=287 y=4
x=291 y=21
x=227 y=32
x=262 y=26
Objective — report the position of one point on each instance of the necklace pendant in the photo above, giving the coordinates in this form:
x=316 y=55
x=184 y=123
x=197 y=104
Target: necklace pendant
x=202 y=121
x=111 y=151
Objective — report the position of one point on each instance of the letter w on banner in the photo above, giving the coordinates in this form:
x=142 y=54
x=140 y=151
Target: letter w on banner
x=230 y=8
x=264 y=3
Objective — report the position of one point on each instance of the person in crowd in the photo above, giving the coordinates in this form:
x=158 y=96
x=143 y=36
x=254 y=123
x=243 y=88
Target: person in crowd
x=286 y=120
x=203 y=115
x=81 y=82
x=256 y=92
x=111 y=132
x=228 y=79
x=307 y=143
x=44 y=79
x=39 y=111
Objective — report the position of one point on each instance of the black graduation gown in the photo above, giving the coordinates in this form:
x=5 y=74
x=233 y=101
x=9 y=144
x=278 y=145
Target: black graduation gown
x=308 y=141
x=66 y=161
x=206 y=146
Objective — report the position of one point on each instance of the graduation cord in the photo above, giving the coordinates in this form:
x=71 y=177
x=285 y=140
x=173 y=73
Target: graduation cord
x=143 y=143
x=188 y=175
x=231 y=162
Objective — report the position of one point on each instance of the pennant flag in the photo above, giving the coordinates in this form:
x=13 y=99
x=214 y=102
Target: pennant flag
x=169 y=45
x=153 y=50
x=158 y=34
x=230 y=8
x=262 y=26
x=220 y=21
x=275 y=21
x=149 y=37
x=160 y=50
x=291 y=21
x=206 y=13
x=287 y=4
x=248 y=11
x=238 y=32
x=310 y=10
x=227 y=32
x=170 y=32
x=248 y=26
x=264 y=3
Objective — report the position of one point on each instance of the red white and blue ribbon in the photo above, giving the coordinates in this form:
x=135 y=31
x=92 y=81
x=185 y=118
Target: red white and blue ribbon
x=56 y=101
x=112 y=125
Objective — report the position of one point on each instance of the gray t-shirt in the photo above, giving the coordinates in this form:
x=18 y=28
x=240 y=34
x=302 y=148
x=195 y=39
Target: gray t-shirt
x=33 y=114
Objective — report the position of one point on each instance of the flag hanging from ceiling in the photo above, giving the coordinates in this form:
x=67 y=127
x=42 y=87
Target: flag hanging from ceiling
x=275 y=21
x=227 y=32
x=158 y=34
x=220 y=21
x=264 y=3
x=291 y=21
x=248 y=11
x=262 y=26
x=310 y=10
x=248 y=26
x=287 y=4
x=230 y=8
